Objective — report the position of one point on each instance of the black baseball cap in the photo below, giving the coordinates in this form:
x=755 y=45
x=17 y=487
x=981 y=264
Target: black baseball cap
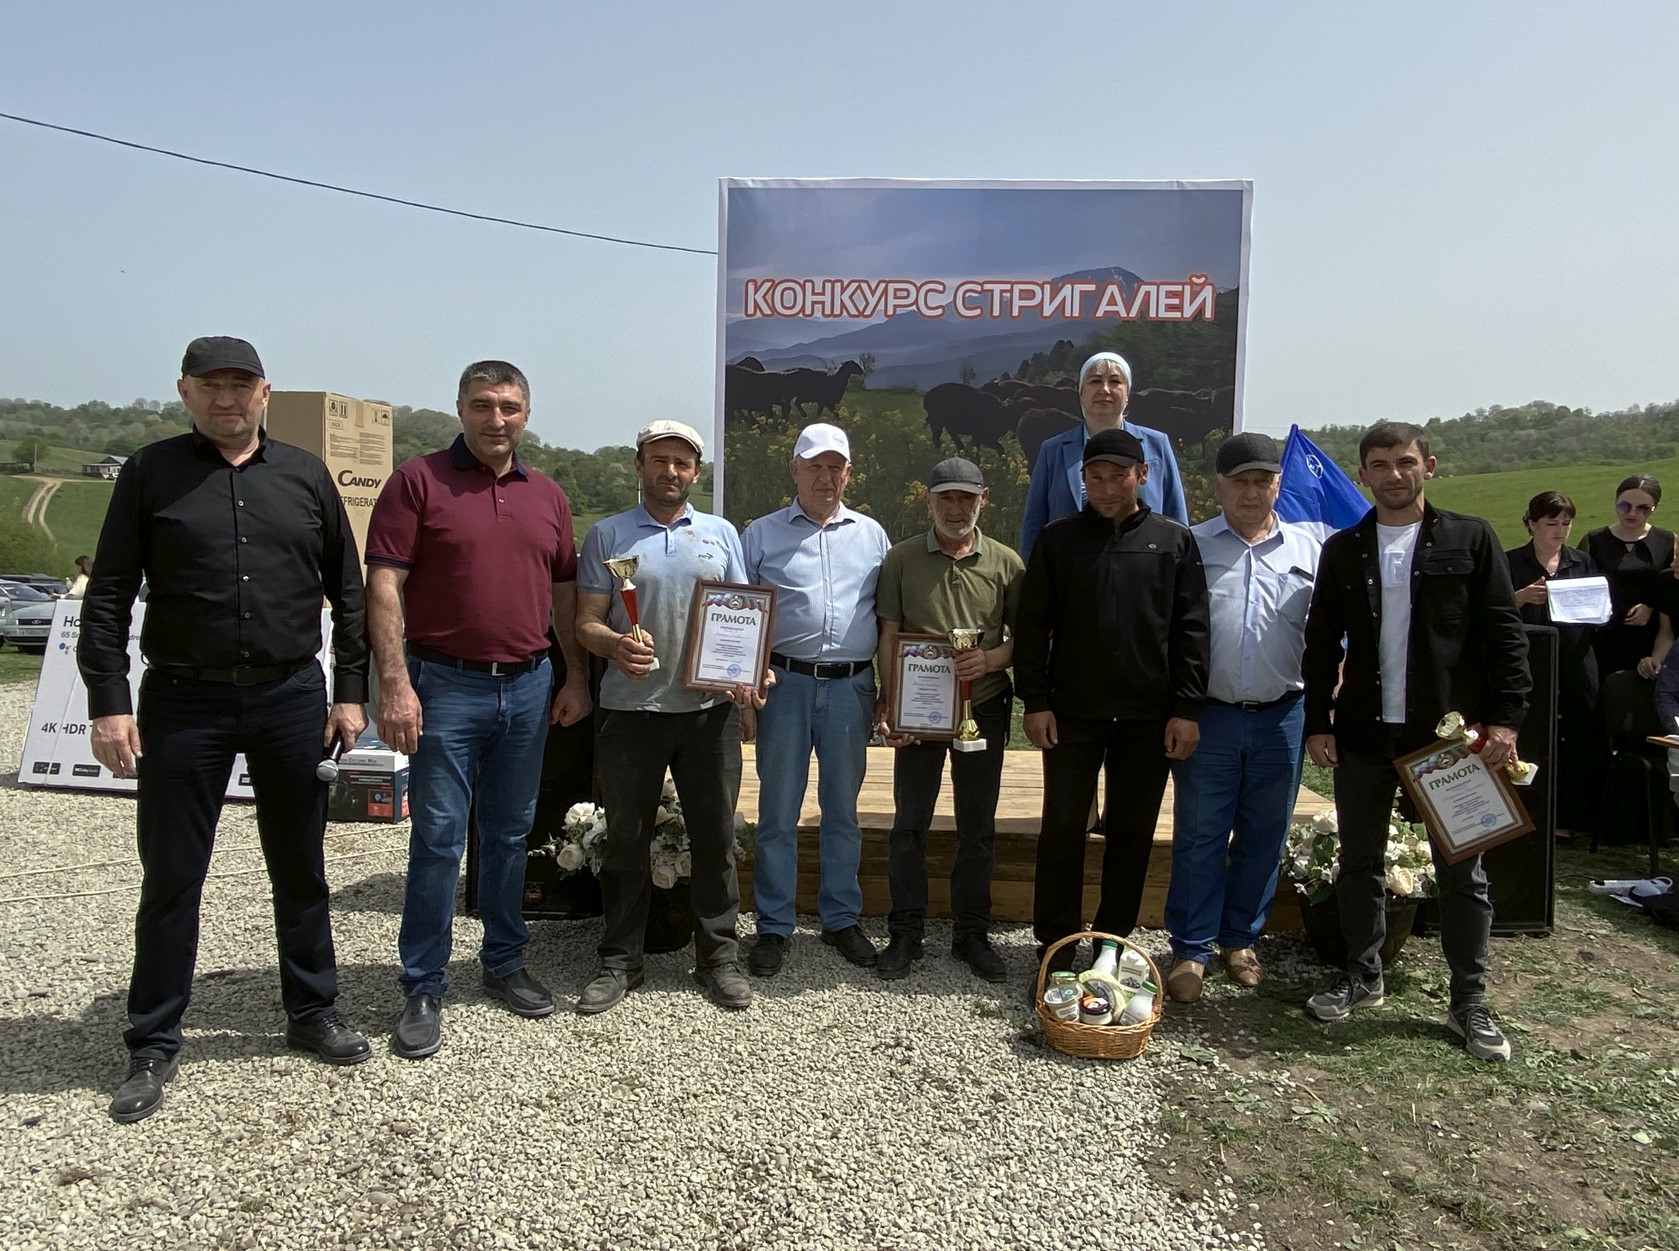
x=1117 y=446
x=1242 y=452
x=218 y=351
x=956 y=473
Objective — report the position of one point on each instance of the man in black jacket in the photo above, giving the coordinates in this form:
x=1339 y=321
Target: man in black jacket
x=1422 y=600
x=1110 y=660
x=238 y=536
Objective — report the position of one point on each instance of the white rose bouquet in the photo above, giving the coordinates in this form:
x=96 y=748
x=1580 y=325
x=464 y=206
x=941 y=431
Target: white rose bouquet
x=1311 y=858
x=580 y=842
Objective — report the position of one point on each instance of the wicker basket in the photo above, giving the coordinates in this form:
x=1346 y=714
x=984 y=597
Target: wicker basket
x=1097 y=1042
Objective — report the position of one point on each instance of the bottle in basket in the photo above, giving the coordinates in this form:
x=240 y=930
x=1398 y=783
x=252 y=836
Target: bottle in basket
x=1133 y=968
x=1141 y=1006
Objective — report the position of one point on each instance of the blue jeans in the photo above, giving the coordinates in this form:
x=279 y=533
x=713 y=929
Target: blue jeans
x=482 y=738
x=834 y=716
x=1235 y=797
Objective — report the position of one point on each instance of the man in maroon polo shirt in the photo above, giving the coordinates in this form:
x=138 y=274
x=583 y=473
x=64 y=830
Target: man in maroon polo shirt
x=469 y=556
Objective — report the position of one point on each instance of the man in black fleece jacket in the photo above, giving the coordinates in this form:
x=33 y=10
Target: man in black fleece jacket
x=1110 y=659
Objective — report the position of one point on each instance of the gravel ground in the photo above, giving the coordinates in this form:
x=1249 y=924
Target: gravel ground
x=839 y=1111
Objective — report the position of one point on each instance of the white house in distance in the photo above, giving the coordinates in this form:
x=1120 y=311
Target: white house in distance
x=107 y=468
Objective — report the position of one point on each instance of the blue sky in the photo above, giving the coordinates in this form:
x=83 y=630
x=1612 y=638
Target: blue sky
x=1454 y=205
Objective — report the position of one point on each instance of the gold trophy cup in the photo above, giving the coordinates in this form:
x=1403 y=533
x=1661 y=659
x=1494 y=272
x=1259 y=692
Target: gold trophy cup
x=967 y=733
x=1452 y=726
x=623 y=568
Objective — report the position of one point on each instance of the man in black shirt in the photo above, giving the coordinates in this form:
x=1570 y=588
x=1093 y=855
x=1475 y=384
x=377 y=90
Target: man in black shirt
x=1110 y=659
x=239 y=537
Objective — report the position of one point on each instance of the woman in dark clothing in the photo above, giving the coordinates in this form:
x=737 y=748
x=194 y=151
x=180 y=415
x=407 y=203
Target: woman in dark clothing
x=1626 y=549
x=1580 y=763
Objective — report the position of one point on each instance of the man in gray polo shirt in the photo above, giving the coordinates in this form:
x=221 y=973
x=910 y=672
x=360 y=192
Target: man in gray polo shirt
x=649 y=722
x=952 y=577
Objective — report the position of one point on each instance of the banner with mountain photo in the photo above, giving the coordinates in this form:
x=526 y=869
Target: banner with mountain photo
x=932 y=318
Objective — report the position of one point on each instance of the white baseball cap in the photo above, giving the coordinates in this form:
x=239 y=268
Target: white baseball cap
x=819 y=438
x=670 y=430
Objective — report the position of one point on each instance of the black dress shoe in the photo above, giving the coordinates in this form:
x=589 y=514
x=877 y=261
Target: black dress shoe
x=975 y=951
x=853 y=945
x=725 y=985
x=521 y=992
x=141 y=1092
x=328 y=1037
x=419 y=1030
x=607 y=990
x=900 y=953
x=764 y=960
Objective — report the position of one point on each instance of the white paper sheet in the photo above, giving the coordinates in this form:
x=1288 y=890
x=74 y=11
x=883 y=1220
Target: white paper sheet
x=1578 y=601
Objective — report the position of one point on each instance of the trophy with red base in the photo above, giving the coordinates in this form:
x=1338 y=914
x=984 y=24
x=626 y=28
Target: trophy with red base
x=967 y=733
x=623 y=568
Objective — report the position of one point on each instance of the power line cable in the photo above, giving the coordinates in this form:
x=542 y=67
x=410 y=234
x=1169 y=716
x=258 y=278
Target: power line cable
x=366 y=195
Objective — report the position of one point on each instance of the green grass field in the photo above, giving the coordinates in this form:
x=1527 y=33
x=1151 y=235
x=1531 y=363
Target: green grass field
x=76 y=512
x=66 y=458
x=16 y=666
x=1502 y=497
x=14 y=494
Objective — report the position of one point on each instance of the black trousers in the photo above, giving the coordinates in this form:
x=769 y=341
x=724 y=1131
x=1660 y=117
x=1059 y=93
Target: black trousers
x=1365 y=786
x=1134 y=753
x=976 y=779
x=702 y=751
x=189 y=734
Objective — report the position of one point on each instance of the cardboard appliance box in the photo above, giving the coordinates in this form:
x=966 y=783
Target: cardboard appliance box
x=353 y=437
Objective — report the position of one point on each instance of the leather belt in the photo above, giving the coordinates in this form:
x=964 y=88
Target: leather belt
x=820 y=668
x=1257 y=705
x=496 y=668
x=243 y=675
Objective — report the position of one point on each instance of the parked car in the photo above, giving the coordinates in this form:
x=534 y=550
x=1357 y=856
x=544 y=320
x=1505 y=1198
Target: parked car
x=54 y=587
x=27 y=622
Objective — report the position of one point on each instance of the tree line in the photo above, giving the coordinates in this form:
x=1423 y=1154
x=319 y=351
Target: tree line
x=1535 y=435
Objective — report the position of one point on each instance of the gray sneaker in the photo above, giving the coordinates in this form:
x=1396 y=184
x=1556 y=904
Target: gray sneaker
x=1338 y=1001
x=1480 y=1033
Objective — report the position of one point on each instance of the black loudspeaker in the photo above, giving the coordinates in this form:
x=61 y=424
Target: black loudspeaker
x=568 y=767
x=1521 y=873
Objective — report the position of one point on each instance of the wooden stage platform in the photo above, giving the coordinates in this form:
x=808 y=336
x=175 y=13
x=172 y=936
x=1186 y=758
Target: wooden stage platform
x=1018 y=812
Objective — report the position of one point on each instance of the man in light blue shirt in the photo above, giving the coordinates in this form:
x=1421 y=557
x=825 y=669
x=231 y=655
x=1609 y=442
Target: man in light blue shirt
x=824 y=561
x=1235 y=795
x=648 y=722
x=1057 y=486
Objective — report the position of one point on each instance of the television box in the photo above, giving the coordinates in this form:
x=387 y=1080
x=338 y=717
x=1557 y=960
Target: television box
x=353 y=437
x=372 y=785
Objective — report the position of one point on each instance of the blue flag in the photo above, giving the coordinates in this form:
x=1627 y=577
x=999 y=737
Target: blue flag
x=1315 y=492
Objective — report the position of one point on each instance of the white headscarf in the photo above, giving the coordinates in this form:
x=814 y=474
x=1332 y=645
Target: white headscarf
x=1112 y=358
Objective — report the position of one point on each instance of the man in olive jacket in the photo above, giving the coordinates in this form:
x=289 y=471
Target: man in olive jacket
x=1422 y=600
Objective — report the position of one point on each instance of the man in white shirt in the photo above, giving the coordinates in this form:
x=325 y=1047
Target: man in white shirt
x=1412 y=617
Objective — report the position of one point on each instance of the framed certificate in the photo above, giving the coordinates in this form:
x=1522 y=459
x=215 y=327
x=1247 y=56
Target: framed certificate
x=1466 y=806
x=729 y=626
x=925 y=697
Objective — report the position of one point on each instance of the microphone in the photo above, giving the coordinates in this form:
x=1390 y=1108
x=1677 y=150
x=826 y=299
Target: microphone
x=327 y=770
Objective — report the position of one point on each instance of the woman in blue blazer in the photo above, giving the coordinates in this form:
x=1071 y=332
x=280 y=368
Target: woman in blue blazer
x=1057 y=488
